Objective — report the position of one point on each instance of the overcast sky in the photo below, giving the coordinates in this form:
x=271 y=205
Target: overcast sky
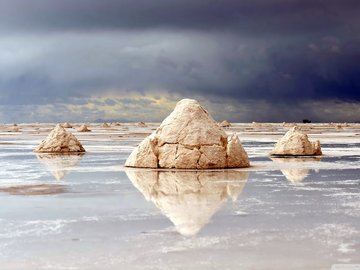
x=131 y=60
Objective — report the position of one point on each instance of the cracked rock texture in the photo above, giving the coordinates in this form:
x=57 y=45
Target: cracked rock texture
x=296 y=143
x=189 y=138
x=60 y=140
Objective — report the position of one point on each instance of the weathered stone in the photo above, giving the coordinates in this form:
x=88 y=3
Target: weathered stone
x=188 y=138
x=143 y=155
x=60 y=140
x=225 y=123
x=83 y=128
x=296 y=143
x=237 y=156
x=66 y=125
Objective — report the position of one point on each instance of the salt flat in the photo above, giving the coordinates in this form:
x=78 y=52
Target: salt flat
x=89 y=212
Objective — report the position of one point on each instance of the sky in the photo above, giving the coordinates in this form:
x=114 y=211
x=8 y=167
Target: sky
x=132 y=60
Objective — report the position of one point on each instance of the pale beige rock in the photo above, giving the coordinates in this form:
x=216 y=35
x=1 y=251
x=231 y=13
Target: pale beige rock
x=237 y=156
x=143 y=155
x=296 y=143
x=83 y=128
x=189 y=138
x=59 y=165
x=188 y=198
x=66 y=125
x=105 y=125
x=60 y=140
x=225 y=123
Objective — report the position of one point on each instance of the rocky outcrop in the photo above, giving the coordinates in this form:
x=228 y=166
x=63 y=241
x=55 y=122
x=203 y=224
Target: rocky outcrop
x=60 y=140
x=83 y=128
x=188 y=198
x=225 y=123
x=66 y=125
x=296 y=143
x=189 y=138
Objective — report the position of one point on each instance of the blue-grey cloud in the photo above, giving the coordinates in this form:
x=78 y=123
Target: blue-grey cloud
x=276 y=53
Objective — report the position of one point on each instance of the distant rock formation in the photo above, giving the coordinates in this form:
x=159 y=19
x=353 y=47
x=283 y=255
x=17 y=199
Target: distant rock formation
x=66 y=125
x=188 y=198
x=189 y=138
x=296 y=143
x=105 y=125
x=141 y=124
x=225 y=123
x=60 y=140
x=83 y=128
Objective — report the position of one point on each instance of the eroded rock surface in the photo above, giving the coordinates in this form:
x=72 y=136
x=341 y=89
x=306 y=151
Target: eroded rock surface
x=189 y=138
x=60 y=140
x=296 y=143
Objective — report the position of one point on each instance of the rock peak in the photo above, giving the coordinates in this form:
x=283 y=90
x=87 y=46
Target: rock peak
x=60 y=140
x=296 y=143
x=189 y=138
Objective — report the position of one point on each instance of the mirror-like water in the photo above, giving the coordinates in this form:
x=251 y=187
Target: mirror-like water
x=88 y=212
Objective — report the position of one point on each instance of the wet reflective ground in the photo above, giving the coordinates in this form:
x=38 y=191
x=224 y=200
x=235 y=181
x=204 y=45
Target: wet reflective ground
x=88 y=212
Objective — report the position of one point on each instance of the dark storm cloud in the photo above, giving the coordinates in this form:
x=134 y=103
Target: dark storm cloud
x=279 y=52
x=247 y=16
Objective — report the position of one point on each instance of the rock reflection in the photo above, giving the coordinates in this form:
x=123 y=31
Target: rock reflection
x=60 y=164
x=39 y=189
x=188 y=198
x=293 y=168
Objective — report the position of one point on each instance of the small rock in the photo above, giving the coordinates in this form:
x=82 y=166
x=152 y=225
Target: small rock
x=225 y=123
x=296 y=143
x=60 y=140
x=83 y=128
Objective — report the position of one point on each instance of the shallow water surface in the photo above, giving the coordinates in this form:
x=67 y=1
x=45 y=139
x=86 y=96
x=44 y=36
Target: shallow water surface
x=88 y=212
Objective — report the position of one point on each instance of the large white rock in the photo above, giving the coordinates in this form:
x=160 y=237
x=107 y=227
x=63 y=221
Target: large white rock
x=188 y=198
x=189 y=138
x=296 y=143
x=60 y=140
